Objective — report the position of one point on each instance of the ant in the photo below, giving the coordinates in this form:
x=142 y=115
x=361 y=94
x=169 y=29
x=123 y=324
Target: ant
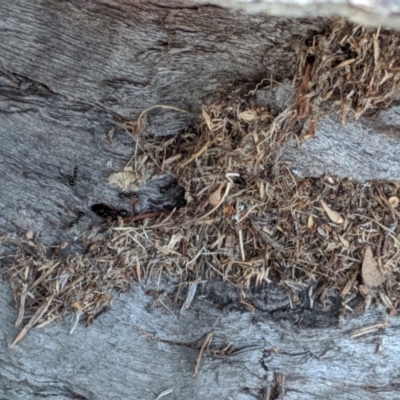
x=79 y=214
x=71 y=179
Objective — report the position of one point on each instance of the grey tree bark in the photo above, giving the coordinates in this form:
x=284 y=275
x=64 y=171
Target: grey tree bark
x=69 y=72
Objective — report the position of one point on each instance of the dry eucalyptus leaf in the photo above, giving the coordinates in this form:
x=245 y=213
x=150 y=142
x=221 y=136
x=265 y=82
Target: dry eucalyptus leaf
x=334 y=216
x=370 y=272
x=215 y=197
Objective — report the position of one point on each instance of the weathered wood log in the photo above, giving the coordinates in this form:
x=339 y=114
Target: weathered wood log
x=366 y=12
x=72 y=92
x=139 y=349
x=70 y=73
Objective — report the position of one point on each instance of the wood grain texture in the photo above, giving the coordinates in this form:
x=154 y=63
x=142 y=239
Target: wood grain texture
x=127 y=56
x=71 y=70
x=139 y=349
x=365 y=150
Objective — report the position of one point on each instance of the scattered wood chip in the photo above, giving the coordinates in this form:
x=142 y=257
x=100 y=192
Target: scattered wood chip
x=310 y=221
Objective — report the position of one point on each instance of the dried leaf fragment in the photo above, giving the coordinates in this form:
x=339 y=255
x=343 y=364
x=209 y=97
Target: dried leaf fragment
x=228 y=210
x=333 y=215
x=76 y=305
x=370 y=272
x=215 y=197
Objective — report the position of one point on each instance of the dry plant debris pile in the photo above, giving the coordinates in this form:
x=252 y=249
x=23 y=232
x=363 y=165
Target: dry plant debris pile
x=347 y=70
x=248 y=219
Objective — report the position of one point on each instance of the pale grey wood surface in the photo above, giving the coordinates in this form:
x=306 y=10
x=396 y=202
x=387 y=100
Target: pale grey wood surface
x=69 y=71
x=137 y=350
x=364 y=150
x=367 y=12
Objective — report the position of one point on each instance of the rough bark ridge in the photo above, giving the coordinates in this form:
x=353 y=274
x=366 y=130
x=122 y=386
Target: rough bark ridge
x=70 y=71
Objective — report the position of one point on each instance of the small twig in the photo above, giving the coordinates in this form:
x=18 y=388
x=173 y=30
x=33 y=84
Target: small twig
x=165 y=393
x=78 y=314
x=241 y=245
x=144 y=216
x=195 y=155
x=195 y=257
x=367 y=329
x=163 y=222
x=138 y=217
x=199 y=357
x=248 y=212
